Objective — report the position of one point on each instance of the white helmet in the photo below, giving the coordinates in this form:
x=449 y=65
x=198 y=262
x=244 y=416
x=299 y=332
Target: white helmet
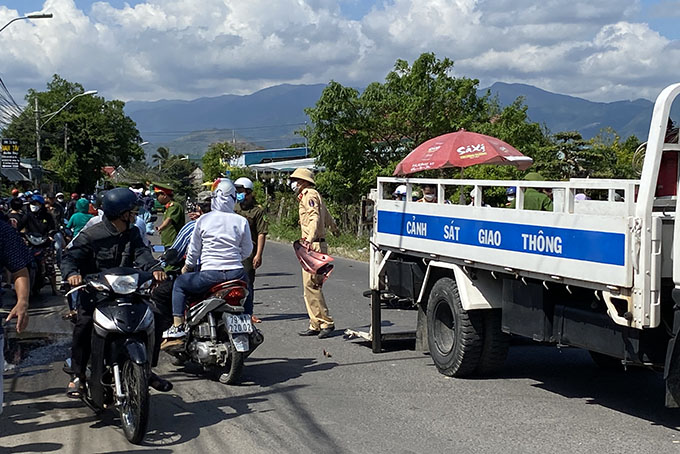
x=224 y=195
x=244 y=182
x=401 y=190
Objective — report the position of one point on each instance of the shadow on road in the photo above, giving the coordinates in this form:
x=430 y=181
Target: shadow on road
x=32 y=447
x=273 y=318
x=174 y=421
x=571 y=373
x=280 y=287
x=271 y=371
x=274 y=274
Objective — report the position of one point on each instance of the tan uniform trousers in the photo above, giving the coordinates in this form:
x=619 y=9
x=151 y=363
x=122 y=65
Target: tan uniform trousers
x=314 y=300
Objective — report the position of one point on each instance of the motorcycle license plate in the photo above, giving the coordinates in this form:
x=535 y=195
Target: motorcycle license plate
x=239 y=324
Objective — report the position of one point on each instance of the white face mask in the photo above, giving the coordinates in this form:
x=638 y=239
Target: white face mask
x=294 y=186
x=35 y=208
x=429 y=197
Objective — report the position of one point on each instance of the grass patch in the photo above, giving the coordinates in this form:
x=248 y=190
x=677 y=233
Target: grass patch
x=345 y=245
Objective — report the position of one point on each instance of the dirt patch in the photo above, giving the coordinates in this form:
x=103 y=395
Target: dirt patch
x=29 y=353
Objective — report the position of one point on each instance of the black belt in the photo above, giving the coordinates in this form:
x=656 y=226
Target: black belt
x=320 y=240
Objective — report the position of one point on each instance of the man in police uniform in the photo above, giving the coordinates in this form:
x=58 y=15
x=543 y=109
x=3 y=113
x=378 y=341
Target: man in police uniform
x=173 y=219
x=314 y=218
x=538 y=200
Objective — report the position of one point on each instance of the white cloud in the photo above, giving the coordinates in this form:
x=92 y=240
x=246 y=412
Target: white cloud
x=186 y=49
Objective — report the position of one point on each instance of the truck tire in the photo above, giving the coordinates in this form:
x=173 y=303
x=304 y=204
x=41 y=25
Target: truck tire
x=454 y=335
x=495 y=344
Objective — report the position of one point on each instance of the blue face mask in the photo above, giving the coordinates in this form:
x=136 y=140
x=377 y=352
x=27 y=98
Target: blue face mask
x=240 y=197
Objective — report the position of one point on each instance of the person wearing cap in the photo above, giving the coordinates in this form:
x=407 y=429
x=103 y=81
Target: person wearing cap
x=538 y=200
x=399 y=193
x=314 y=218
x=248 y=208
x=173 y=219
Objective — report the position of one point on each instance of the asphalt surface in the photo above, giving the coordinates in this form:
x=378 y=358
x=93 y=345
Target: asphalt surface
x=333 y=395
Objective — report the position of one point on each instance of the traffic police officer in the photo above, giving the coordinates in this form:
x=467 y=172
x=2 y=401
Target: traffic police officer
x=314 y=218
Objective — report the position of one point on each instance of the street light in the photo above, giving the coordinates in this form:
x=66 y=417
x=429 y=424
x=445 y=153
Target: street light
x=28 y=16
x=50 y=116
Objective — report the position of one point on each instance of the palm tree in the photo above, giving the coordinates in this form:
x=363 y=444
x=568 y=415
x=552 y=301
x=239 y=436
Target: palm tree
x=161 y=155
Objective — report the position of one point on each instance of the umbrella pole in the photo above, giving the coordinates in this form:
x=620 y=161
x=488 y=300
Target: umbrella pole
x=461 y=198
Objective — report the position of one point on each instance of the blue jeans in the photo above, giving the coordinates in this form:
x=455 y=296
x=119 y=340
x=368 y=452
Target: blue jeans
x=59 y=244
x=199 y=282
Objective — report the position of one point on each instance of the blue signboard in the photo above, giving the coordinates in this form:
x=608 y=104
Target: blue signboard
x=586 y=245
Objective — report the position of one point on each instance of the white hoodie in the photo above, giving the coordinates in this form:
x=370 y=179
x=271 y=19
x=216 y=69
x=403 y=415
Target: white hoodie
x=221 y=238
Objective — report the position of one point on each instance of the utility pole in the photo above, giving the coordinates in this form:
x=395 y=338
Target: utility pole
x=37 y=132
x=65 y=138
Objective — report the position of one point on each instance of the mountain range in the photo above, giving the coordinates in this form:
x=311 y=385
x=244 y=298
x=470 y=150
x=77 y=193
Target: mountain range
x=269 y=118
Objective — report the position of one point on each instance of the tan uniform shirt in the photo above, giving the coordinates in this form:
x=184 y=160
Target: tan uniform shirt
x=314 y=217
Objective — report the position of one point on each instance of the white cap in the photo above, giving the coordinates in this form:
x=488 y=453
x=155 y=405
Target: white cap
x=401 y=190
x=244 y=182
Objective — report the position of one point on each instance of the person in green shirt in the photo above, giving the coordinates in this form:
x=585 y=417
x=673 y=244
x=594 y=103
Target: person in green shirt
x=173 y=219
x=80 y=217
x=534 y=199
x=248 y=208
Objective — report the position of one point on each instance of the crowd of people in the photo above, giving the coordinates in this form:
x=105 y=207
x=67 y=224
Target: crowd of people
x=223 y=239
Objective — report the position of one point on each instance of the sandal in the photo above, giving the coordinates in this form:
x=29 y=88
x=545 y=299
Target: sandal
x=75 y=389
x=255 y=319
x=159 y=384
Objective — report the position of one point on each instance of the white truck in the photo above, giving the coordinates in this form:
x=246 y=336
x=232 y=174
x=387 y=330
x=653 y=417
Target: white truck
x=597 y=274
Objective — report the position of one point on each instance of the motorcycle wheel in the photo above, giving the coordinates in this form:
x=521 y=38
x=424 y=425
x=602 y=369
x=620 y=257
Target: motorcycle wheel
x=230 y=374
x=134 y=413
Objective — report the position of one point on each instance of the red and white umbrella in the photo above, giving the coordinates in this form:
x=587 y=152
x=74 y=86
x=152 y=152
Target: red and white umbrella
x=461 y=149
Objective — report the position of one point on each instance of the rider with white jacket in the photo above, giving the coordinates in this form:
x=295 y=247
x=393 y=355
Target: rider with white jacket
x=220 y=242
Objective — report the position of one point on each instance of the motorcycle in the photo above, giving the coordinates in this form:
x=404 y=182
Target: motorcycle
x=220 y=336
x=38 y=272
x=118 y=371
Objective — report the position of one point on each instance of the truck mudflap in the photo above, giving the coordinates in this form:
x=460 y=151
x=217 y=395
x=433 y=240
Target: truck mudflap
x=671 y=372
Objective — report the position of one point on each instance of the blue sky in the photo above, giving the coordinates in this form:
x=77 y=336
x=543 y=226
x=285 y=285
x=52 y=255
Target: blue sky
x=183 y=49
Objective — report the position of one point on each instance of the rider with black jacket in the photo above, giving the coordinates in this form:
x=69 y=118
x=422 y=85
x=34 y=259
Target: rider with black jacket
x=108 y=244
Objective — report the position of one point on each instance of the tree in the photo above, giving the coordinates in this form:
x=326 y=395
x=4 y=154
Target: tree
x=97 y=133
x=357 y=136
x=161 y=155
x=215 y=159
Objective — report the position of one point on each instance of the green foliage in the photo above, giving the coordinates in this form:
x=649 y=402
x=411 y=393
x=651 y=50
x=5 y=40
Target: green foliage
x=360 y=136
x=213 y=160
x=161 y=155
x=99 y=134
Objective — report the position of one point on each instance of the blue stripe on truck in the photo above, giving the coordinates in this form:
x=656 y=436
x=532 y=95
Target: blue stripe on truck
x=586 y=245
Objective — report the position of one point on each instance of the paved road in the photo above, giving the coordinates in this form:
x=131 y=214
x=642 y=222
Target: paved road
x=296 y=399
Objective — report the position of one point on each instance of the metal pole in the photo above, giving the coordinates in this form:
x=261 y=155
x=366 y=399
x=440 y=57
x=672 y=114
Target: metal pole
x=376 y=322
x=37 y=132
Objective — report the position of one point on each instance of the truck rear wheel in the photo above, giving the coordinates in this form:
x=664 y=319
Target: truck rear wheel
x=454 y=335
x=495 y=344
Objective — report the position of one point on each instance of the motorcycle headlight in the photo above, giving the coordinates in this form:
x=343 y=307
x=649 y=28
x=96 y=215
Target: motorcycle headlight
x=123 y=285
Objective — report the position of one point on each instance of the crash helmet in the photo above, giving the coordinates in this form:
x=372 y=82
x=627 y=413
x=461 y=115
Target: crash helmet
x=244 y=182
x=117 y=201
x=313 y=262
x=511 y=191
x=38 y=198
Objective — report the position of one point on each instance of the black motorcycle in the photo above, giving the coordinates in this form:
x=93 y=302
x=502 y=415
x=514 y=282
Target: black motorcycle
x=118 y=371
x=39 y=273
